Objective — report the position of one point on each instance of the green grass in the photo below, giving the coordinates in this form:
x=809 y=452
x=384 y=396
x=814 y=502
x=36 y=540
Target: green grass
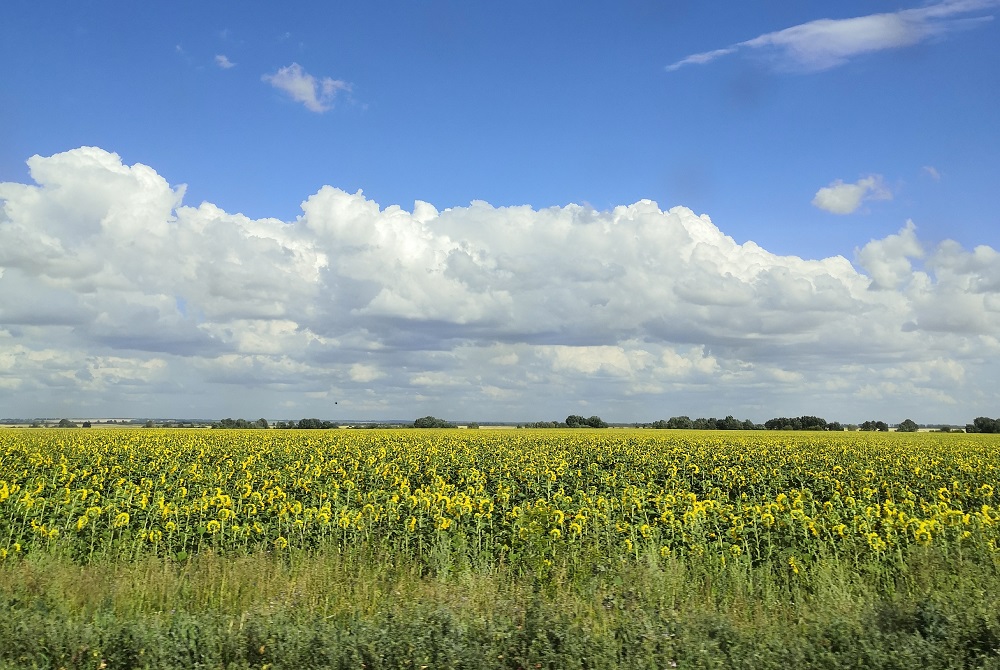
x=358 y=610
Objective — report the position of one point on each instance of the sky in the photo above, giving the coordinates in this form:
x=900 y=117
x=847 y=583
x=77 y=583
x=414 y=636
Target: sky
x=500 y=212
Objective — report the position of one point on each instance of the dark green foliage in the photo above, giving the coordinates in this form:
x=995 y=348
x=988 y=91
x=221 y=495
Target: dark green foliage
x=685 y=423
x=315 y=424
x=432 y=422
x=907 y=426
x=797 y=423
x=983 y=424
x=880 y=426
x=576 y=421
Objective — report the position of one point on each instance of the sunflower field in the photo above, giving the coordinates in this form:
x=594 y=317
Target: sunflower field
x=527 y=500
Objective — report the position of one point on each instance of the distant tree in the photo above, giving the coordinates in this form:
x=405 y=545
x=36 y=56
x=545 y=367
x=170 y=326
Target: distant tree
x=680 y=422
x=907 y=426
x=983 y=424
x=86 y=424
x=813 y=423
x=596 y=422
x=312 y=424
x=473 y=426
x=66 y=423
x=432 y=422
x=575 y=421
x=730 y=423
x=262 y=423
x=881 y=426
x=149 y=423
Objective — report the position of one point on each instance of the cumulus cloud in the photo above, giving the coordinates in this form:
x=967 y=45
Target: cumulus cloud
x=888 y=260
x=827 y=43
x=224 y=62
x=115 y=294
x=841 y=198
x=317 y=94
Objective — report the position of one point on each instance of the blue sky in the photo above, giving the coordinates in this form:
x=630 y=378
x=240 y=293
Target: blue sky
x=854 y=146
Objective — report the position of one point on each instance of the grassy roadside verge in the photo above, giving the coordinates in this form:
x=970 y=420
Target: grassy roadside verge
x=358 y=610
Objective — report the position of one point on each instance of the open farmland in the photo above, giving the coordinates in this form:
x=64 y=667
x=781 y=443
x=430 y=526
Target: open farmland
x=657 y=523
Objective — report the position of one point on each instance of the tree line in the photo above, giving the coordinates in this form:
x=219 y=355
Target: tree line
x=572 y=421
x=301 y=424
x=983 y=424
x=711 y=423
x=806 y=422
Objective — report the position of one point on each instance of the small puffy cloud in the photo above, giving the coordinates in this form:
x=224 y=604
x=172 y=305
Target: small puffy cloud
x=317 y=94
x=224 y=62
x=113 y=291
x=827 y=43
x=841 y=198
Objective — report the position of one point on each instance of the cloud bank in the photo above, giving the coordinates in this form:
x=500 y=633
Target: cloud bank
x=828 y=43
x=118 y=298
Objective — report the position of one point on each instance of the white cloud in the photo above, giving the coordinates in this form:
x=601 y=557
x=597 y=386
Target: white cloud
x=115 y=294
x=888 y=260
x=827 y=43
x=317 y=95
x=363 y=373
x=224 y=62
x=841 y=198
x=932 y=172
